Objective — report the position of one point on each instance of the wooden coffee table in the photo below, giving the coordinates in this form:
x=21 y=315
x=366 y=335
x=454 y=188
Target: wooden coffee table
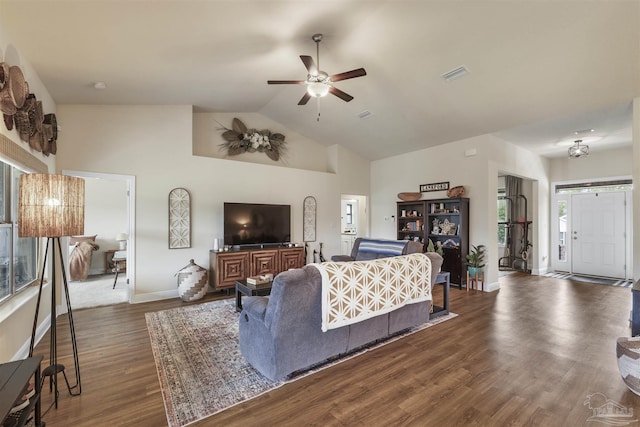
x=242 y=288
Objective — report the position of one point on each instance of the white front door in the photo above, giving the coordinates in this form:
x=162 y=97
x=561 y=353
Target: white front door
x=598 y=234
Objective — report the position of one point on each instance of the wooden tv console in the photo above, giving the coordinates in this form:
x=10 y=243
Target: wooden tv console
x=225 y=268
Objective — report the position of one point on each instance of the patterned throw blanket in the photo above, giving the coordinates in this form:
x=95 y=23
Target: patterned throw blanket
x=359 y=290
x=390 y=247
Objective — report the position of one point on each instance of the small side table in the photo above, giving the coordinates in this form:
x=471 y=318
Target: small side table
x=242 y=288
x=108 y=257
x=475 y=281
x=444 y=279
x=120 y=266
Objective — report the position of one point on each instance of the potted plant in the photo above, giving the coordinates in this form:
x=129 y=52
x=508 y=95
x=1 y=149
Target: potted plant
x=475 y=260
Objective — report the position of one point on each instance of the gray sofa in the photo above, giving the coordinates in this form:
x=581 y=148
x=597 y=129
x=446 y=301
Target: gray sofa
x=281 y=334
x=361 y=253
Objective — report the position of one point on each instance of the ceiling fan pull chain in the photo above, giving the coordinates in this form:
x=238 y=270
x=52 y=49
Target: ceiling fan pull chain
x=318 y=119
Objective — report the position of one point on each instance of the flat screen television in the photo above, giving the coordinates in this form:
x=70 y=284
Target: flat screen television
x=254 y=224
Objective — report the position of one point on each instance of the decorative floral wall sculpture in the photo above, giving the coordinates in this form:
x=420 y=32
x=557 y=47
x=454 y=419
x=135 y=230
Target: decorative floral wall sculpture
x=240 y=140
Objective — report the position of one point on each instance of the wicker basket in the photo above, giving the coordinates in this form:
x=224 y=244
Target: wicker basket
x=455 y=192
x=25 y=118
x=14 y=91
x=193 y=281
x=409 y=197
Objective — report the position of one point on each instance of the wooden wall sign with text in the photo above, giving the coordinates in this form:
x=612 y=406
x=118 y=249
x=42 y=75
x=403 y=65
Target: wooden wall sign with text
x=436 y=186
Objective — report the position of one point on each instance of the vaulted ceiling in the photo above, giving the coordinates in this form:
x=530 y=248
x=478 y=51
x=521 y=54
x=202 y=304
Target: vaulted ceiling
x=538 y=70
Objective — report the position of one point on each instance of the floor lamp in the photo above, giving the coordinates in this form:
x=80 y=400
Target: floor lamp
x=52 y=206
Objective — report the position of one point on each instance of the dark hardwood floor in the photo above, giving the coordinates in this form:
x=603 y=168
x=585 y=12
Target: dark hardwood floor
x=529 y=354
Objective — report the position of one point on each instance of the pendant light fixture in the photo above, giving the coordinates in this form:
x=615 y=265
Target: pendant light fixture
x=578 y=150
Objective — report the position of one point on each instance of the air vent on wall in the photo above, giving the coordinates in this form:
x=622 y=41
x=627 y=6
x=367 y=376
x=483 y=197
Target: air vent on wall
x=455 y=73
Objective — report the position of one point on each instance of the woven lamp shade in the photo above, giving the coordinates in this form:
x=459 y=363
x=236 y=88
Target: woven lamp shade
x=50 y=205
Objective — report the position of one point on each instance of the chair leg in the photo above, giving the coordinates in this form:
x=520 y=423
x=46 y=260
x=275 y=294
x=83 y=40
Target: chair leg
x=116 y=279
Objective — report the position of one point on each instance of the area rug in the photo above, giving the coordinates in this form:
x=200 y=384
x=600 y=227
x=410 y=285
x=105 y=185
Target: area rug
x=590 y=279
x=97 y=291
x=200 y=368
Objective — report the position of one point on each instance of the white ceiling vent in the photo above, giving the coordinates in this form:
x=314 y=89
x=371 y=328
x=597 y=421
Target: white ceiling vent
x=365 y=114
x=455 y=73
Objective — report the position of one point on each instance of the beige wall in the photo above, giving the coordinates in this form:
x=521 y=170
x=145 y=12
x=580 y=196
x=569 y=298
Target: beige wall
x=16 y=315
x=478 y=174
x=599 y=164
x=353 y=171
x=154 y=143
x=300 y=152
x=105 y=215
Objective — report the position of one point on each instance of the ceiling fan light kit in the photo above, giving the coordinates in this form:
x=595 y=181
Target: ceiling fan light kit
x=578 y=150
x=319 y=83
x=317 y=89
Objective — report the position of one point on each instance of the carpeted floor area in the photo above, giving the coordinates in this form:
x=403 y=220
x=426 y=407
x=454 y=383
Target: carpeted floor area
x=199 y=365
x=591 y=279
x=97 y=291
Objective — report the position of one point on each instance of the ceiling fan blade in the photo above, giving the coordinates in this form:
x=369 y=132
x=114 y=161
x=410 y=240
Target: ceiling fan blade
x=310 y=64
x=340 y=94
x=348 y=75
x=305 y=98
x=285 y=82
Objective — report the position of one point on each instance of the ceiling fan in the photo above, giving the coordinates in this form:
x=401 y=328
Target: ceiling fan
x=318 y=82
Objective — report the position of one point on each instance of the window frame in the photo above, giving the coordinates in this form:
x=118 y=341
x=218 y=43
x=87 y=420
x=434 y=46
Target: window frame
x=9 y=180
x=16 y=160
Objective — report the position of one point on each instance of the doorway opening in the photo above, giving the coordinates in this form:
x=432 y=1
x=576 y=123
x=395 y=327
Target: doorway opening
x=515 y=224
x=354 y=222
x=591 y=228
x=101 y=263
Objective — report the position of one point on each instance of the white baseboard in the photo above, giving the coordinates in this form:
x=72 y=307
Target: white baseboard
x=154 y=296
x=540 y=271
x=23 y=351
x=490 y=287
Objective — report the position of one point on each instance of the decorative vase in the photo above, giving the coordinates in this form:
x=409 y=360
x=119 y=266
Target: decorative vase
x=193 y=281
x=474 y=271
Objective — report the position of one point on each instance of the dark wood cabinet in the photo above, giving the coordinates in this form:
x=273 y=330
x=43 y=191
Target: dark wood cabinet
x=291 y=258
x=411 y=221
x=264 y=262
x=448 y=225
x=226 y=268
x=443 y=222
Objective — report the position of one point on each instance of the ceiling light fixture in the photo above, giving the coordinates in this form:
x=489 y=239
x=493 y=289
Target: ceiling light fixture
x=317 y=89
x=578 y=150
x=99 y=85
